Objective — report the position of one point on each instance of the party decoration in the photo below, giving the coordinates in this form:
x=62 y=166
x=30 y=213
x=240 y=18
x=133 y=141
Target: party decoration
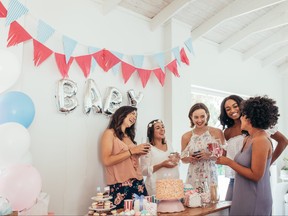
x=17 y=107
x=14 y=143
x=106 y=59
x=17 y=34
x=21 y=185
x=9 y=69
x=66 y=92
x=41 y=53
x=92 y=98
x=113 y=101
x=133 y=99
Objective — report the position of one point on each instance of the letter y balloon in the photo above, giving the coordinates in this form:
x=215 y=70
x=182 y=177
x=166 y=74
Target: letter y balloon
x=134 y=99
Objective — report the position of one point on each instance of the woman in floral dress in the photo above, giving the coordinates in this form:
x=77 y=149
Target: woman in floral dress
x=194 y=145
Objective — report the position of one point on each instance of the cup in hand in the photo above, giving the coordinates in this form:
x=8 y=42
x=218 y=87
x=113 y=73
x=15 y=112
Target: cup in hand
x=174 y=157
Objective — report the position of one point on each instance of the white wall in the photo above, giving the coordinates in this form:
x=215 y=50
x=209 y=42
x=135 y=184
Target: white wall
x=65 y=147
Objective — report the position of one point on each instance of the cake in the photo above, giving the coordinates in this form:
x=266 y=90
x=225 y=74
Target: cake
x=192 y=199
x=168 y=189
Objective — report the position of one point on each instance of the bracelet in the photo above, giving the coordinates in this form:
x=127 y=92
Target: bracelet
x=130 y=152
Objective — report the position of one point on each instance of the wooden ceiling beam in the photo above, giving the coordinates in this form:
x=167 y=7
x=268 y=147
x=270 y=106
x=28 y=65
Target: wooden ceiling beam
x=169 y=11
x=276 y=56
x=275 y=18
x=276 y=38
x=233 y=10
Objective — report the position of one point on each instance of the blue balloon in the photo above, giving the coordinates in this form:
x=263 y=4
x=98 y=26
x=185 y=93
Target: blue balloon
x=16 y=107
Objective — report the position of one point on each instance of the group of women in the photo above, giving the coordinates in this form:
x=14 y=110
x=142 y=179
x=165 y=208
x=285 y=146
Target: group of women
x=249 y=152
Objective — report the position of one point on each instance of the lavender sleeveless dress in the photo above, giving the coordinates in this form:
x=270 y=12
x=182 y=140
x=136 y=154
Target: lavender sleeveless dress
x=249 y=197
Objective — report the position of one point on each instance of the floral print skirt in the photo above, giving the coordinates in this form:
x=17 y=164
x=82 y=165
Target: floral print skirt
x=125 y=190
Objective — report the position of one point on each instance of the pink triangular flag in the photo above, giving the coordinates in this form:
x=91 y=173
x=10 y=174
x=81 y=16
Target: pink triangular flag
x=41 y=52
x=84 y=63
x=127 y=71
x=110 y=60
x=144 y=76
x=99 y=57
x=61 y=64
x=3 y=10
x=172 y=66
x=160 y=75
x=17 y=34
x=184 y=57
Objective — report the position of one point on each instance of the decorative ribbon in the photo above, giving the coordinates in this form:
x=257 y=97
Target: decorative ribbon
x=140 y=198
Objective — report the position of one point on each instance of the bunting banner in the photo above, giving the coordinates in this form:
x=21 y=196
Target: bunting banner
x=107 y=60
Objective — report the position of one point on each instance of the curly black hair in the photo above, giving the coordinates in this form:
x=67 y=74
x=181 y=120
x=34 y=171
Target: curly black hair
x=117 y=119
x=261 y=111
x=223 y=118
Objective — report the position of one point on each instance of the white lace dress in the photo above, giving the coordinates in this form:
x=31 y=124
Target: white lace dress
x=156 y=156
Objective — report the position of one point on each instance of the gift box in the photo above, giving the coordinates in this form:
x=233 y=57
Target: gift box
x=139 y=202
x=151 y=208
x=192 y=199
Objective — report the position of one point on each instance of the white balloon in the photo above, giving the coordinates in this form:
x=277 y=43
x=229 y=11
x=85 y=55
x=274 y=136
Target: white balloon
x=9 y=69
x=66 y=95
x=92 y=98
x=14 y=143
x=133 y=99
x=113 y=101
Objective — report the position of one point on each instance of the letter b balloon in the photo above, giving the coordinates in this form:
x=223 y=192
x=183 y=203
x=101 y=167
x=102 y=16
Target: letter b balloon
x=16 y=107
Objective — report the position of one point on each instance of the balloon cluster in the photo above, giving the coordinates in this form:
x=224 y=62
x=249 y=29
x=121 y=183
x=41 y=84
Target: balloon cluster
x=67 y=101
x=20 y=182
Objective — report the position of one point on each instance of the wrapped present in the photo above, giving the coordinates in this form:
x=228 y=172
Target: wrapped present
x=151 y=208
x=187 y=187
x=139 y=202
x=192 y=199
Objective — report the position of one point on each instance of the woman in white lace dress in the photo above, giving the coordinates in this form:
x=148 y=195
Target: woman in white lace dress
x=230 y=120
x=158 y=163
x=194 y=144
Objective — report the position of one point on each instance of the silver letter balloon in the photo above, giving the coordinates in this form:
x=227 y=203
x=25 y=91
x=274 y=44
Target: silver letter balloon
x=66 y=98
x=92 y=98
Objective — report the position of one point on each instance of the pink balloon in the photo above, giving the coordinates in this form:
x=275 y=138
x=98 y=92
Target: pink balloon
x=21 y=185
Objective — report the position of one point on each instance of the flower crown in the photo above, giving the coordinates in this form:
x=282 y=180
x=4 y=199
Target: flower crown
x=154 y=122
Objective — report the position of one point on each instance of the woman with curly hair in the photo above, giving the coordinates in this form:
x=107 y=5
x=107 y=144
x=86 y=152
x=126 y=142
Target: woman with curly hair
x=252 y=191
x=230 y=120
x=120 y=156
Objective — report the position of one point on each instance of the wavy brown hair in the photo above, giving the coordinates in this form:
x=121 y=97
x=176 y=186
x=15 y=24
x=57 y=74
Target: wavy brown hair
x=196 y=107
x=117 y=120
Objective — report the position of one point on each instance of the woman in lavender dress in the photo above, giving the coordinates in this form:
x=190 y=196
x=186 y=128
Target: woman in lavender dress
x=252 y=191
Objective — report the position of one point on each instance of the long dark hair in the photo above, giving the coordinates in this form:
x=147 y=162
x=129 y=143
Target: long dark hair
x=117 y=119
x=150 y=131
x=196 y=107
x=224 y=119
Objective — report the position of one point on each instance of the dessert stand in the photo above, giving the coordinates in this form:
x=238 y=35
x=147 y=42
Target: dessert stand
x=173 y=205
x=101 y=200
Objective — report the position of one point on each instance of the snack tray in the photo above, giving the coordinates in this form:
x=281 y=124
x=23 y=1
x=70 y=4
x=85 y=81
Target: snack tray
x=101 y=209
x=101 y=199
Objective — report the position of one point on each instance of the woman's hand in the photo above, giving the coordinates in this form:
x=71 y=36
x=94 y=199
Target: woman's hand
x=168 y=164
x=223 y=160
x=190 y=159
x=141 y=149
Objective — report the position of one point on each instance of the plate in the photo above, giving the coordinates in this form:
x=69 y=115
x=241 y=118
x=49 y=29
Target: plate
x=101 y=199
x=102 y=209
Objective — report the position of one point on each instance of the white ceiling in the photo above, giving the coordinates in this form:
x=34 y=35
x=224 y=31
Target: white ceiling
x=256 y=28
